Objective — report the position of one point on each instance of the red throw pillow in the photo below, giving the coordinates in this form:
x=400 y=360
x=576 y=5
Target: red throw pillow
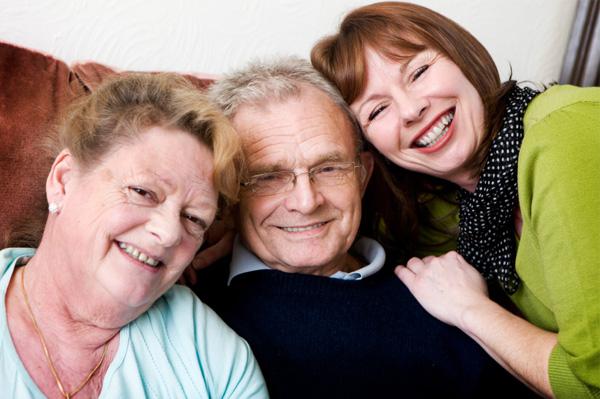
x=34 y=89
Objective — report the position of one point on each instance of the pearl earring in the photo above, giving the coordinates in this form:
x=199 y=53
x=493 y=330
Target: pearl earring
x=53 y=207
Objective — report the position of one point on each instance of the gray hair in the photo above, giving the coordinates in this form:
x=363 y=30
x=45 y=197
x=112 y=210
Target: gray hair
x=276 y=80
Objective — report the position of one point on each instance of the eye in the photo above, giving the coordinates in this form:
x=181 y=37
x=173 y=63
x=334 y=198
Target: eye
x=194 y=220
x=420 y=71
x=196 y=226
x=147 y=194
x=329 y=169
x=376 y=112
x=268 y=177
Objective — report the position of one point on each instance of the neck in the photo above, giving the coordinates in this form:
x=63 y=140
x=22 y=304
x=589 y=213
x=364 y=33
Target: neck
x=465 y=181
x=66 y=313
x=345 y=263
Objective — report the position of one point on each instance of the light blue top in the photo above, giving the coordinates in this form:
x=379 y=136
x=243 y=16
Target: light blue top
x=179 y=348
x=244 y=261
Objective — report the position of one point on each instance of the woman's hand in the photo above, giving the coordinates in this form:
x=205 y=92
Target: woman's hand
x=219 y=240
x=445 y=286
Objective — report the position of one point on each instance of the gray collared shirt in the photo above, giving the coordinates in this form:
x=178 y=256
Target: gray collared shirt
x=244 y=261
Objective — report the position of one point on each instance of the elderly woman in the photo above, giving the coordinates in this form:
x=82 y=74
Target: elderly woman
x=93 y=311
x=429 y=98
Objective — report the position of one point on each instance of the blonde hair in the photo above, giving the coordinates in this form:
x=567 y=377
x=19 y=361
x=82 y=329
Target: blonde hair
x=123 y=108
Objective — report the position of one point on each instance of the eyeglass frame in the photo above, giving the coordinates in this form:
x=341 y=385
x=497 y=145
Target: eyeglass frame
x=247 y=184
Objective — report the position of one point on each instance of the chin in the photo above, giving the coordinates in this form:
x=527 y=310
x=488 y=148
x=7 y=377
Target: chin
x=300 y=265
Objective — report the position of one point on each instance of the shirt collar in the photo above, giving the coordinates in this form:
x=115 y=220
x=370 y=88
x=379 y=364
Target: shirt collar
x=244 y=261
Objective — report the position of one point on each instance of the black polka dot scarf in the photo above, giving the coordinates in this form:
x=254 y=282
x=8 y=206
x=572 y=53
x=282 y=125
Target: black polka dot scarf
x=487 y=235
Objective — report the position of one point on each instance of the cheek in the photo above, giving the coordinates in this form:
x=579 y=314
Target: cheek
x=382 y=136
x=256 y=211
x=123 y=218
x=349 y=203
x=186 y=251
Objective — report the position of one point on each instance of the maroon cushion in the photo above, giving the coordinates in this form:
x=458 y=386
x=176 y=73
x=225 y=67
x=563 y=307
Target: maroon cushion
x=34 y=89
x=92 y=74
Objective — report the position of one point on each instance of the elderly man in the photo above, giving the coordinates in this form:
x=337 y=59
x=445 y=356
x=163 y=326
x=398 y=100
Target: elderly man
x=323 y=314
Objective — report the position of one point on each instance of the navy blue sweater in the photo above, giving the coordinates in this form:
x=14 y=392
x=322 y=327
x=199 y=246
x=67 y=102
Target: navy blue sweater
x=318 y=337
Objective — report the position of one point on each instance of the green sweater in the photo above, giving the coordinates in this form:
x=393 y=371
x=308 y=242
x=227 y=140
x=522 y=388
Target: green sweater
x=558 y=258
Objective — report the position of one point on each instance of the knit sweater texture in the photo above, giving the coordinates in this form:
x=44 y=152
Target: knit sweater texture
x=558 y=258
x=319 y=337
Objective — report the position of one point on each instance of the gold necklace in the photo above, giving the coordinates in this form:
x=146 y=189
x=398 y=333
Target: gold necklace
x=67 y=395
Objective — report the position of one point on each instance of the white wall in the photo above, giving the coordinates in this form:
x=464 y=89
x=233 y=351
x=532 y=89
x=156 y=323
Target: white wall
x=205 y=36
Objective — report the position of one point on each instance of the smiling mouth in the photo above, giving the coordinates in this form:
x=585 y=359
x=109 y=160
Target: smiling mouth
x=436 y=132
x=138 y=255
x=302 y=229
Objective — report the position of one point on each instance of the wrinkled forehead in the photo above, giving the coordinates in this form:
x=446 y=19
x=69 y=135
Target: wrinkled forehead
x=306 y=125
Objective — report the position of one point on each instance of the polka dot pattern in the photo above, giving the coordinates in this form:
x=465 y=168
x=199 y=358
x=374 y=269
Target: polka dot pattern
x=486 y=238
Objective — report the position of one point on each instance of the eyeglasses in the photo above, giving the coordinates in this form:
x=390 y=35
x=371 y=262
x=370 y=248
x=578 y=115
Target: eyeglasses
x=281 y=181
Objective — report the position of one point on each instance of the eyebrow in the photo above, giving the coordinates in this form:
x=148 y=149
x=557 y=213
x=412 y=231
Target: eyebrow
x=155 y=178
x=202 y=221
x=332 y=156
x=403 y=67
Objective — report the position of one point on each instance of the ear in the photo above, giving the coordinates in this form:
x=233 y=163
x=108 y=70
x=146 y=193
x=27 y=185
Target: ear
x=60 y=174
x=367 y=161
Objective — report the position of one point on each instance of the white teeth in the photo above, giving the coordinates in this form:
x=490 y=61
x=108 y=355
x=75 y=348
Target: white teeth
x=136 y=254
x=436 y=132
x=299 y=229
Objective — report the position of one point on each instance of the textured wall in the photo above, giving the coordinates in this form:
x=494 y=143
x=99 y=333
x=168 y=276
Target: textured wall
x=208 y=36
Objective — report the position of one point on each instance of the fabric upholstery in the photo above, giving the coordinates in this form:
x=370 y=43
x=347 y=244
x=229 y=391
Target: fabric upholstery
x=34 y=89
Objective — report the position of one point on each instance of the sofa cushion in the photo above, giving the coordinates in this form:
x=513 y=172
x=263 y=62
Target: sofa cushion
x=34 y=89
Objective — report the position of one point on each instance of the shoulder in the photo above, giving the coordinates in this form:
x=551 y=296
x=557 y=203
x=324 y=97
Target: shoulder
x=562 y=123
x=180 y=310
x=181 y=322
x=560 y=98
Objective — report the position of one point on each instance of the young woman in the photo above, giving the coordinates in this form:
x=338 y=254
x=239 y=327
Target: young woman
x=429 y=98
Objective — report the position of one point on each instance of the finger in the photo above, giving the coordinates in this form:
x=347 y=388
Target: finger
x=405 y=275
x=190 y=273
x=215 y=252
x=216 y=231
x=415 y=265
x=428 y=259
x=188 y=277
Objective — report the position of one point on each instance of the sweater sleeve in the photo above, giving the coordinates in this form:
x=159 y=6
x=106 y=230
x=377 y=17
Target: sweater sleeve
x=559 y=172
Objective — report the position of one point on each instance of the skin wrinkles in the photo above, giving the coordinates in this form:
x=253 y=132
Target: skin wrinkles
x=261 y=146
x=82 y=286
x=112 y=211
x=314 y=130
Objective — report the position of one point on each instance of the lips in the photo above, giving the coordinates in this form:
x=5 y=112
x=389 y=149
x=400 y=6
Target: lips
x=435 y=132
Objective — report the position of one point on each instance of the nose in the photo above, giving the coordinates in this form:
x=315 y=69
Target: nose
x=411 y=107
x=165 y=227
x=304 y=197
